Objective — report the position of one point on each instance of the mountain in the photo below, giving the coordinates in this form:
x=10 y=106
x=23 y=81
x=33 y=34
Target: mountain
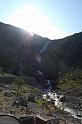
x=23 y=54
x=62 y=55
x=18 y=49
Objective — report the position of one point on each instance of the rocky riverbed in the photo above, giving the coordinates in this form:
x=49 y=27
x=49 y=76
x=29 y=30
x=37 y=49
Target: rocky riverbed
x=31 y=102
x=73 y=97
x=72 y=101
x=28 y=102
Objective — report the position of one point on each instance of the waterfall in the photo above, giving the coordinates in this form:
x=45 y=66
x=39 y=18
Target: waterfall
x=44 y=47
x=49 y=85
x=56 y=98
x=39 y=72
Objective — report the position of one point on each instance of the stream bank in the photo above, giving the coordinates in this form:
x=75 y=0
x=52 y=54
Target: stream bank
x=69 y=101
x=72 y=102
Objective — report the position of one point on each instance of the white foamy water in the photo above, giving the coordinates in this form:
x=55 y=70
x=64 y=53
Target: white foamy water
x=56 y=98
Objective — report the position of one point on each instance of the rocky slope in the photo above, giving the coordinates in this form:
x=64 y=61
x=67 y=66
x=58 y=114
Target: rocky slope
x=18 y=49
x=62 y=54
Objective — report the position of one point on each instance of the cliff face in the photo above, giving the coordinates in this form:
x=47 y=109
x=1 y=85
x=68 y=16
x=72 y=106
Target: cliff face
x=61 y=55
x=18 y=49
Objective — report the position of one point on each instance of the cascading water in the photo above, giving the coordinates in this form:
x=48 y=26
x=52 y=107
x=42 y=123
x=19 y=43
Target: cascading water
x=56 y=98
x=49 y=85
x=53 y=95
x=44 y=47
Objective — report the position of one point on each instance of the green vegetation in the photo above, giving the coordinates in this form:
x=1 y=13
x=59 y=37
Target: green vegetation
x=22 y=88
x=70 y=84
x=19 y=84
x=50 y=108
x=39 y=102
x=6 y=74
x=34 y=90
x=58 y=56
x=72 y=79
x=1 y=71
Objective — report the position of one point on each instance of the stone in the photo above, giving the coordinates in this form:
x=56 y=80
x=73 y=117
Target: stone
x=23 y=101
x=63 y=99
x=7 y=93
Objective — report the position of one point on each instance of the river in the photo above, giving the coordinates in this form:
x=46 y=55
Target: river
x=63 y=106
x=56 y=98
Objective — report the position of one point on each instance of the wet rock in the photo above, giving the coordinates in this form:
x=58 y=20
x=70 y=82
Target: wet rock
x=31 y=98
x=63 y=99
x=12 y=111
x=15 y=103
x=10 y=93
x=78 y=116
x=23 y=101
x=20 y=101
x=13 y=92
x=7 y=93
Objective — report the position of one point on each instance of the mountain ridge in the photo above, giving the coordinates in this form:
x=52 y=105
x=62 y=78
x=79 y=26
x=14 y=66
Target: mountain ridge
x=23 y=54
